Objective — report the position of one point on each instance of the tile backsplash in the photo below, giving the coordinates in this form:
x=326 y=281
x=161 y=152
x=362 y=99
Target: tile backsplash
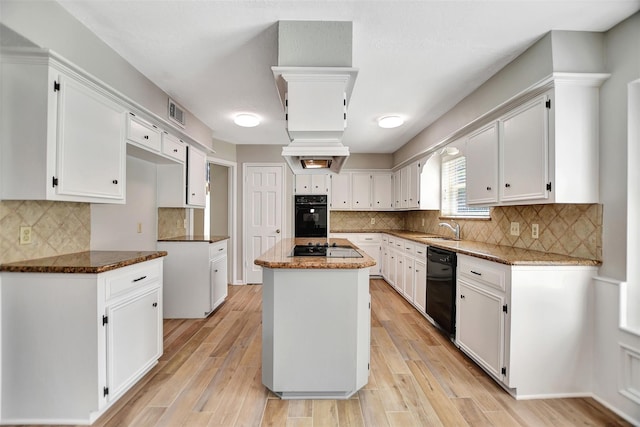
x=171 y=222
x=57 y=228
x=567 y=229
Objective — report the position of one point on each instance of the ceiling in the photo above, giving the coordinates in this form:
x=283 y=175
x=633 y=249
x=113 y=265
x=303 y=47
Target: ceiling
x=415 y=58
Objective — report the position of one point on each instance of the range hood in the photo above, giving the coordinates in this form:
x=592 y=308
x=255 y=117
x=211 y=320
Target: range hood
x=308 y=158
x=315 y=80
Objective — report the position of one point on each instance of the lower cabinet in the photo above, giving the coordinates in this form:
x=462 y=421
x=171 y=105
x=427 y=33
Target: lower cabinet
x=370 y=243
x=527 y=326
x=405 y=269
x=83 y=340
x=195 y=278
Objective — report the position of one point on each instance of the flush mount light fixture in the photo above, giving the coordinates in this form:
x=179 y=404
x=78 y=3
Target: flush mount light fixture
x=246 y=120
x=389 y=122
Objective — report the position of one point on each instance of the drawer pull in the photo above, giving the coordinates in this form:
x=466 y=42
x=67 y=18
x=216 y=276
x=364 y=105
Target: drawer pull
x=215 y=271
x=220 y=249
x=476 y=273
x=368 y=238
x=146 y=137
x=461 y=296
x=175 y=150
x=139 y=278
x=155 y=304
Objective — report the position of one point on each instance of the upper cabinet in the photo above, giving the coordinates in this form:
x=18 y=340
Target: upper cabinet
x=362 y=191
x=63 y=137
x=312 y=184
x=382 y=191
x=183 y=185
x=544 y=149
x=197 y=177
x=341 y=191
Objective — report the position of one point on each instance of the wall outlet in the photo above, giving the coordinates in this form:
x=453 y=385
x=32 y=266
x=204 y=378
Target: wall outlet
x=373 y=221
x=515 y=228
x=25 y=235
x=423 y=222
x=139 y=227
x=534 y=231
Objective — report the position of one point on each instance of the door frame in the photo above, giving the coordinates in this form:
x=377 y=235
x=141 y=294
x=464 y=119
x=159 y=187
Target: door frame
x=285 y=225
x=232 y=226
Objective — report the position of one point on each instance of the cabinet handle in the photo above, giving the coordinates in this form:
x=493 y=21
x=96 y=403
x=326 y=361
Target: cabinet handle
x=221 y=249
x=155 y=304
x=215 y=271
x=461 y=296
x=115 y=181
x=488 y=188
x=193 y=194
x=175 y=150
x=476 y=273
x=146 y=137
x=507 y=185
x=139 y=278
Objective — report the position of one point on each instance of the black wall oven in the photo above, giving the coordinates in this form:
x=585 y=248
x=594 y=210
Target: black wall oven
x=311 y=216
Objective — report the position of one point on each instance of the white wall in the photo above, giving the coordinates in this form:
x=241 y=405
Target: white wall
x=115 y=227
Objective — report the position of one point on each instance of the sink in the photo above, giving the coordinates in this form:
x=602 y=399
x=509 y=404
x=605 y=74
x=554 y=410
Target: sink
x=438 y=238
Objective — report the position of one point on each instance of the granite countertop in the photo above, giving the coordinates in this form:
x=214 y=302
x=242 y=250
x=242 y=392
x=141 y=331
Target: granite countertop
x=279 y=256
x=497 y=253
x=89 y=262
x=196 y=238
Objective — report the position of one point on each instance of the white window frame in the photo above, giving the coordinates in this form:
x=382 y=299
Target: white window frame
x=456 y=207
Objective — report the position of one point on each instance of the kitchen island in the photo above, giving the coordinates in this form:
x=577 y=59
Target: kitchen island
x=316 y=321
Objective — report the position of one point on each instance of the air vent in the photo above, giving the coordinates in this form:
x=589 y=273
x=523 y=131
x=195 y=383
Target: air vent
x=176 y=113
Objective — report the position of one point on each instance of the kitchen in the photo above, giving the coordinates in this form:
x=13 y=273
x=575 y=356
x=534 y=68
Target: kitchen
x=75 y=227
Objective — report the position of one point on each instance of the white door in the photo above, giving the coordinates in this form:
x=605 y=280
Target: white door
x=262 y=215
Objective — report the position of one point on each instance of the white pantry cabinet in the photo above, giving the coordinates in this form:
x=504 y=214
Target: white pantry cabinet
x=312 y=184
x=195 y=277
x=83 y=340
x=70 y=132
x=527 y=326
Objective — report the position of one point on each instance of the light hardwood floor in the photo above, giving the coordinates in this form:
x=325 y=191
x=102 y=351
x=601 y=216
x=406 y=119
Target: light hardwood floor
x=209 y=375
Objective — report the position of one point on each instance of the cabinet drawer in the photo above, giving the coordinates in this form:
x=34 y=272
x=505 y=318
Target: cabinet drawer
x=173 y=147
x=143 y=133
x=367 y=238
x=485 y=272
x=217 y=249
x=123 y=280
x=409 y=247
x=420 y=251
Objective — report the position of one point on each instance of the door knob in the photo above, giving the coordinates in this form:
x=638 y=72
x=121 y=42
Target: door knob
x=278 y=231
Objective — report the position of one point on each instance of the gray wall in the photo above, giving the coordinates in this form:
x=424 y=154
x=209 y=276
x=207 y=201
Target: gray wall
x=219 y=207
x=48 y=25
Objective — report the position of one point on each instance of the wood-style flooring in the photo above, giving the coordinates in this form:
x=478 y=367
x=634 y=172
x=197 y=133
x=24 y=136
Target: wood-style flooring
x=209 y=375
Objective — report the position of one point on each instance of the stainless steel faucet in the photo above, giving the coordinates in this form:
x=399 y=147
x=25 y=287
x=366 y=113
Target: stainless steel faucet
x=456 y=229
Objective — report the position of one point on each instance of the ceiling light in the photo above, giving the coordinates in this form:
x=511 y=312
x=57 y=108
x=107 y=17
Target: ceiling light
x=389 y=122
x=246 y=120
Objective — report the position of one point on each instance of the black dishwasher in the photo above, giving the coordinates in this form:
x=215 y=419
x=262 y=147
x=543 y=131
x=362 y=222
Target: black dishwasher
x=441 y=288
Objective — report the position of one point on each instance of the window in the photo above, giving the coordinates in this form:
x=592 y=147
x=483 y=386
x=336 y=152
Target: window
x=454 y=189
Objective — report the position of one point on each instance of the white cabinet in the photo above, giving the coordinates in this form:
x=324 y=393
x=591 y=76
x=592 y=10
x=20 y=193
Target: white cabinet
x=341 y=191
x=361 y=191
x=195 y=277
x=143 y=133
x=382 y=191
x=407 y=186
x=370 y=243
x=524 y=153
x=174 y=147
x=183 y=185
x=527 y=326
x=420 y=282
x=84 y=339
x=312 y=184
x=68 y=130
x=406 y=269
x=482 y=165
x=197 y=177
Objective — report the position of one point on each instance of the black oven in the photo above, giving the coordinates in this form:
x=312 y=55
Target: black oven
x=311 y=216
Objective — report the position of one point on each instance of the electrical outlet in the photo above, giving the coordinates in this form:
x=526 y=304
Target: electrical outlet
x=423 y=222
x=515 y=228
x=534 y=231
x=139 y=227
x=373 y=221
x=25 y=235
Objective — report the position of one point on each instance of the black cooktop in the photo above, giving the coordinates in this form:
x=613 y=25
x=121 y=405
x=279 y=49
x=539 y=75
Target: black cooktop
x=325 y=250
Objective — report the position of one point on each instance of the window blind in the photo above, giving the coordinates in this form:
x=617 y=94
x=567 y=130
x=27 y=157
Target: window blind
x=454 y=190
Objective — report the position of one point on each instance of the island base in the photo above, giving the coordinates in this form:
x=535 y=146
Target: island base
x=316 y=332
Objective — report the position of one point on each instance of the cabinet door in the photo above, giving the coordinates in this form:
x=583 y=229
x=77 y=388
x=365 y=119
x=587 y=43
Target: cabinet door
x=320 y=184
x=373 y=250
x=420 y=285
x=303 y=184
x=196 y=177
x=361 y=191
x=524 y=153
x=90 y=143
x=382 y=190
x=142 y=133
x=413 y=185
x=404 y=187
x=408 y=287
x=341 y=191
x=482 y=166
x=218 y=272
x=134 y=339
x=480 y=325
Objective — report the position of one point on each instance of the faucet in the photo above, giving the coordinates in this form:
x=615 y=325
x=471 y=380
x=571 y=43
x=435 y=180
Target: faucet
x=456 y=229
